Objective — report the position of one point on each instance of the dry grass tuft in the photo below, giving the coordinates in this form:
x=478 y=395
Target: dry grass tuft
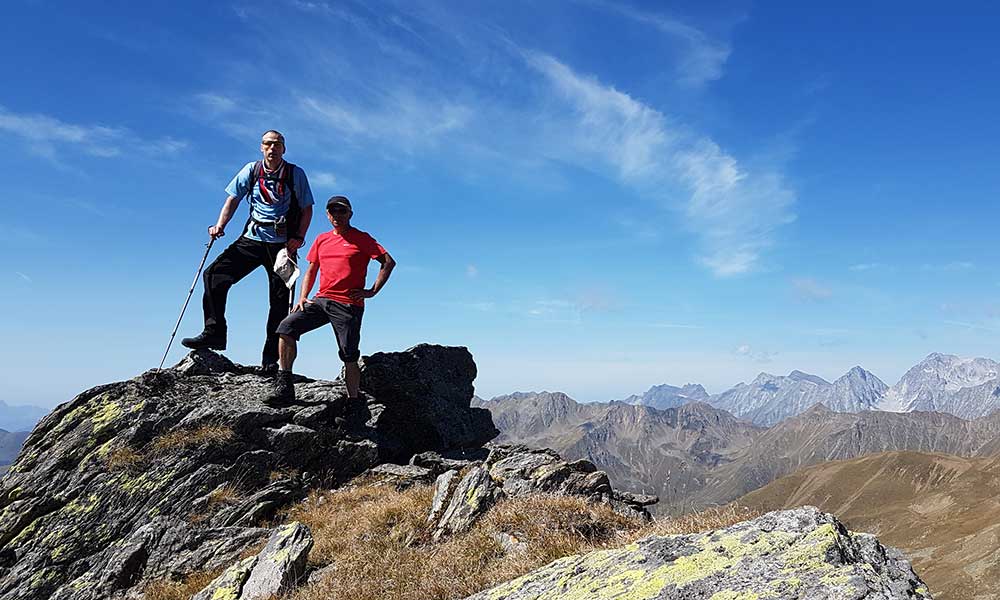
x=378 y=540
x=282 y=474
x=123 y=459
x=224 y=494
x=380 y=543
x=179 y=440
x=180 y=590
x=706 y=520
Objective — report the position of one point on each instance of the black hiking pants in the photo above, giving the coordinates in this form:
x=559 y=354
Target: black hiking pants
x=236 y=262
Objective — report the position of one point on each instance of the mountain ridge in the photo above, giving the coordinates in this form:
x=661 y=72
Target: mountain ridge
x=698 y=455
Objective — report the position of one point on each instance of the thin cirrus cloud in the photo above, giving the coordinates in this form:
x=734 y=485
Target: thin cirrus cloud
x=411 y=121
x=47 y=136
x=755 y=354
x=807 y=289
x=323 y=179
x=866 y=266
x=951 y=267
x=733 y=211
x=703 y=59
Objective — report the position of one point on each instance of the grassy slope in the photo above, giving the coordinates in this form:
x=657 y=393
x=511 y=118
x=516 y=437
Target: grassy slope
x=943 y=511
x=379 y=543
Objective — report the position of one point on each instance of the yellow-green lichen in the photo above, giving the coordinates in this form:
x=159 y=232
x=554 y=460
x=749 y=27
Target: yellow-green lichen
x=60 y=551
x=229 y=584
x=835 y=579
x=104 y=449
x=78 y=506
x=43 y=578
x=731 y=595
x=809 y=554
x=27 y=532
x=105 y=414
x=621 y=575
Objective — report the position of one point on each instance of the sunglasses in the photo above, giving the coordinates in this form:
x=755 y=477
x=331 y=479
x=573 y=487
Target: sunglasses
x=340 y=210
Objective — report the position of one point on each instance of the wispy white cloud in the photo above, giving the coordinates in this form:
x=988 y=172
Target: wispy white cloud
x=672 y=326
x=989 y=327
x=486 y=306
x=866 y=266
x=808 y=289
x=216 y=103
x=702 y=59
x=46 y=136
x=401 y=118
x=755 y=354
x=951 y=267
x=557 y=115
x=24 y=277
x=471 y=271
x=734 y=211
x=322 y=179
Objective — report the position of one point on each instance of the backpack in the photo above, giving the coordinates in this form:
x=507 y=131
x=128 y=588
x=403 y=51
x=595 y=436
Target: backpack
x=293 y=216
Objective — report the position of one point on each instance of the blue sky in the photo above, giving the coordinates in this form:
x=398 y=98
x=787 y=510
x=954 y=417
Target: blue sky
x=594 y=196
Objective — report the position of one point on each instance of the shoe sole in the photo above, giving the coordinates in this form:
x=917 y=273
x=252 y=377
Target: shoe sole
x=204 y=346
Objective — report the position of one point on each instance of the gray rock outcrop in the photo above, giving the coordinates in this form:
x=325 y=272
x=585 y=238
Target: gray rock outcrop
x=174 y=471
x=790 y=554
x=516 y=471
x=276 y=569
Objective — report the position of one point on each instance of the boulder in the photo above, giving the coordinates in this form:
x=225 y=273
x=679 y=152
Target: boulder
x=174 y=471
x=281 y=564
x=474 y=495
x=520 y=471
x=514 y=471
x=432 y=412
x=800 y=553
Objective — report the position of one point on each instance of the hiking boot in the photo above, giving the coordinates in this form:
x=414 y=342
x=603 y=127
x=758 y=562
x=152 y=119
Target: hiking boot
x=269 y=369
x=282 y=392
x=205 y=339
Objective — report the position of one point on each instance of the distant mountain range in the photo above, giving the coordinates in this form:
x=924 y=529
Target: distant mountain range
x=10 y=445
x=20 y=417
x=965 y=387
x=697 y=455
x=941 y=510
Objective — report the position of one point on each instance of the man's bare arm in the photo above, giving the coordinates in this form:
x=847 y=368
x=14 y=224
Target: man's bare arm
x=225 y=215
x=308 y=279
x=305 y=218
x=388 y=264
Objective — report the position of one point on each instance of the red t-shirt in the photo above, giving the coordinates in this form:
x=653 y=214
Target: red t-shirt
x=343 y=263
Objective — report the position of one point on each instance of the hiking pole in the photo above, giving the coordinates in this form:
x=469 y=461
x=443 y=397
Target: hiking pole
x=194 y=283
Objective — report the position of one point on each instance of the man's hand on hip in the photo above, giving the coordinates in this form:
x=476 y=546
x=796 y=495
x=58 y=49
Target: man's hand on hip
x=359 y=293
x=303 y=302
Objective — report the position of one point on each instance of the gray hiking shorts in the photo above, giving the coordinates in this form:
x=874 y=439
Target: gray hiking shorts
x=345 y=319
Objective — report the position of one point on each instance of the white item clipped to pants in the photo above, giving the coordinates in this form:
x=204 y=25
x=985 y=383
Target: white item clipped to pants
x=286 y=268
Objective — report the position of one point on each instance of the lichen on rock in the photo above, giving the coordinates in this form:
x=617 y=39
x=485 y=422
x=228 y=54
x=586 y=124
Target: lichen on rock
x=800 y=553
x=115 y=488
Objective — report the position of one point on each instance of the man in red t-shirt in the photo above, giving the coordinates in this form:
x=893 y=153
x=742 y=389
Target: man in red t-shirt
x=341 y=258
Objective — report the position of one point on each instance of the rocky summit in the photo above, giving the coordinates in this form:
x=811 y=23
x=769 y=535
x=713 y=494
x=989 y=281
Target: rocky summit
x=177 y=470
x=186 y=470
x=799 y=553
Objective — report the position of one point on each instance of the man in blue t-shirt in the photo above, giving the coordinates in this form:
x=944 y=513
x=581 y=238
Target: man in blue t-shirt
x=271 y=185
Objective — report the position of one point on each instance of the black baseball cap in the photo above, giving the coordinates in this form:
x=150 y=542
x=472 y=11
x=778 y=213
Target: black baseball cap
x=338 y=201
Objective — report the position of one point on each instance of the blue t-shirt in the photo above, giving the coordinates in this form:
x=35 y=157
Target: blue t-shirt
x=273 y=205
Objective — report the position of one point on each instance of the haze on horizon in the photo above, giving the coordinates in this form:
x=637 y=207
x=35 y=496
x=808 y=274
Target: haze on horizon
x=593 y=196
